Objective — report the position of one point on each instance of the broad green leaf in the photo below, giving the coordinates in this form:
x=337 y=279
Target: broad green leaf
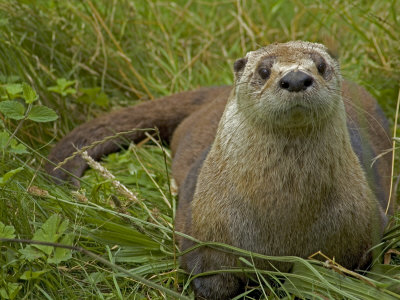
x=62 y=254
x=13 y=146
x=13 y=78
x=69 y=91
x=10 y=290
x=29 y=253
x=93 y=96
x=102 y=99
x=4 y=136
x=90 y=91
x=55 y=89
x=41 y=113
x=29 y=93
x=63 y=87
x=29 y=275
x=18 y=148
x=6 y=232
x=50 y=231
x=12 y=109
x=13 y=89
x=6 y=177
x=63 y=83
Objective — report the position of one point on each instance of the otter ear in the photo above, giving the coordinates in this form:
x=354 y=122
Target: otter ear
x=238 y=66
x=333 y=53
x=332 y=48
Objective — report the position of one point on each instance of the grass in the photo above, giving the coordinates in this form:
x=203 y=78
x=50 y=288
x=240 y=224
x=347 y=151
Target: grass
x=117 y=53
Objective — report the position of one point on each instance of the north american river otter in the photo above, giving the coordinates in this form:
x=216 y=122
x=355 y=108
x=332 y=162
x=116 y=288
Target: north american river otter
x=280 y=164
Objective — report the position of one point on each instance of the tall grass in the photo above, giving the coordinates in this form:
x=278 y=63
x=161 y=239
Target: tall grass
x=135 y=51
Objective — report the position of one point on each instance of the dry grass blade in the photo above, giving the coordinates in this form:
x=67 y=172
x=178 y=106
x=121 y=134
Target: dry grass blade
x=107 y=175
x=393 y=152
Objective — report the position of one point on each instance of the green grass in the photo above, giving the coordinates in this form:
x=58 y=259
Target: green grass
x=130 y=51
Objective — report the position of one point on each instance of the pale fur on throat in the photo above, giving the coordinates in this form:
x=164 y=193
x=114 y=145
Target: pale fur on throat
x=273 y=162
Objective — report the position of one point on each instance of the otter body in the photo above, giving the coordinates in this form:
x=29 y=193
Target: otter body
x=280 y=164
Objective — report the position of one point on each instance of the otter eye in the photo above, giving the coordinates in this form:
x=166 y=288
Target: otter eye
x=264 y=73
x=321 y=67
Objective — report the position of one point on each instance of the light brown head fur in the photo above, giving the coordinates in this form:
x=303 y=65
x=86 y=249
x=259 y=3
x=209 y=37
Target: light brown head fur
x=264 y=101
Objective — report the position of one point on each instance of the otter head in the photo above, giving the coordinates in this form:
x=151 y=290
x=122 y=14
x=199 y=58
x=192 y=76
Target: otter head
x=293 y=85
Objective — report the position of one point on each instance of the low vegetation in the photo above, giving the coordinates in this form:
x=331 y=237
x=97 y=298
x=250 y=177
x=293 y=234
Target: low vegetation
x=64 y=62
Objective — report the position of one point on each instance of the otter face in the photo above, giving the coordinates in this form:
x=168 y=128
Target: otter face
x=295 y=84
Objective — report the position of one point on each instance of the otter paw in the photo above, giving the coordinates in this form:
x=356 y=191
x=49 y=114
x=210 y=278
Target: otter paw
x=220 y=286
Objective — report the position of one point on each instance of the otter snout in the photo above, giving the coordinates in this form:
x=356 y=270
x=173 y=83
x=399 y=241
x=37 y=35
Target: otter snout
x=296 y=81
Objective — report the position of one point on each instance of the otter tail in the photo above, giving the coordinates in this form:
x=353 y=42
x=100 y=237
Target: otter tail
x=165 y=114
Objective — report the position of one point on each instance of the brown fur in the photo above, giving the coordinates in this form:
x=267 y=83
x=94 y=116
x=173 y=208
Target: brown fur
x=265 y=185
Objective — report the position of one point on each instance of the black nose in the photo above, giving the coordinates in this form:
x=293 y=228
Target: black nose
x=296 y=81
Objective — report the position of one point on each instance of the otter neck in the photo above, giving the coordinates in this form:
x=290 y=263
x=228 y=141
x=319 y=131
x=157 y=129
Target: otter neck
x=235 y=127
x=269 y=161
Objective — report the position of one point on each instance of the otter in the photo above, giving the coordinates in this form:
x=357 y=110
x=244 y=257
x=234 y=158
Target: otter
x=278 y=164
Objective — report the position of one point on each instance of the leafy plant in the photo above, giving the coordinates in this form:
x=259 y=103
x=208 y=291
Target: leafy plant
x=93 y=95
x=32 y=262
x=63 y=87
x=12 y=94
x=7 y=144
x=15 y=110
x=7 y=176
x=53 y=231
x=7 y=232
